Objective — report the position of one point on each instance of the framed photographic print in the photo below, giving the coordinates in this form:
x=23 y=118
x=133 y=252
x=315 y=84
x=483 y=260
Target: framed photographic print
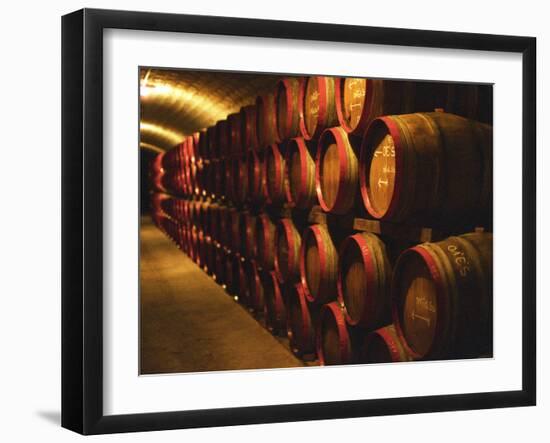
x=271 y=221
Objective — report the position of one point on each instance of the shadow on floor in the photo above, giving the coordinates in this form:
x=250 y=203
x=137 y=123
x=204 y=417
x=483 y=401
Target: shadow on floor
x=54 y=417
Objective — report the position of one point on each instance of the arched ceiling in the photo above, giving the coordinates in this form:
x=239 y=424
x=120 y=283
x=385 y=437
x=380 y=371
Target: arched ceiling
x=175 y=103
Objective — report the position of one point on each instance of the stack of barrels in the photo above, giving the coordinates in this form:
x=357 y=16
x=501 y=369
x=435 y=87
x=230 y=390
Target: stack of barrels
x=237 y=198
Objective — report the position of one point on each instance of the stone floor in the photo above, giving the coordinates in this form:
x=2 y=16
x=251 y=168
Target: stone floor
x=190 y=324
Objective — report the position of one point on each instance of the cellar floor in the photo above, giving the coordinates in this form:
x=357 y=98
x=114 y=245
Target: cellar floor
x=189 y=323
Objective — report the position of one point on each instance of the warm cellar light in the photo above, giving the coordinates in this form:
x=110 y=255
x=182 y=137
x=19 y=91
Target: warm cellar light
x=170 y=136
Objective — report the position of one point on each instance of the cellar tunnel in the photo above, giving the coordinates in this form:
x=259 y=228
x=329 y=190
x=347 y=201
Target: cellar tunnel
x=291 y=221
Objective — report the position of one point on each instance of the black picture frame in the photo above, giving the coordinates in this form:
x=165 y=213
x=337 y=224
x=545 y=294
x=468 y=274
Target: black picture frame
x=82 y=218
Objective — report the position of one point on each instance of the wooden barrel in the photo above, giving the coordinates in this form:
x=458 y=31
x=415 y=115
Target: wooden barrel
x=211 y=225
x=243 y=294
x=219 y=266
x=222 y=138
x=192 y=142
x=219 y=178
x=235 y=136
x=274 y=167
x=239 y=179
x=200 y=179
x=237 y=229
x=275 y=311
x=300 y=324
x=364 y=277
x=211 y=136
x=203 y=145
x=210 y=259
x=256 y=181
x=333 y=340
x=421 y=167
x=248 y=235
x=229 y=178
x=226 y=229
x=442 y=297
x=288 y=243
x=232 y=274
x=240 y=225
x=337 y=171
x=265 y=242
x=203 y=250
x=193 y=245
x=255 y=288
x=384 y=346
x=317 y=106
x=266 y=125
x=287 y=96
x=318 y=264
x=210 y=178
x=300 y=174
x=248 y=127
x=220 y=224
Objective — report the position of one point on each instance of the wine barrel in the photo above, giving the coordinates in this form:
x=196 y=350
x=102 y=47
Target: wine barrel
x=211 y=225
x=384 y=346
x=219 y=224
x=229 y=179
x=235 y=136
x=203 y=145
x=287 y=96
x=248 y=127
x=336 y=171
x=334 y=346
x=240 y=225
x=442 y=297
x=210 y=179
x=364 y=276
x=219 y=178
x=200 y=179
x=274 y=312
x=274 y=167
x=219 y=266
x=288 y=243
x=212 y=138
x=255 y=288
x=239 y=179
x=300 y=174
x=318 y=264
x=232 y=274
x=256 y=182
x=421 y=167
x=266 y=125
x=222 y=138
x=300 y=324
x=265 y=242
x=203 y=249
x=194 y=246
x=243 y=294
x=236 y=232
x=248 y=235
x=211 y=257
x=317 y=106
x=192 y=143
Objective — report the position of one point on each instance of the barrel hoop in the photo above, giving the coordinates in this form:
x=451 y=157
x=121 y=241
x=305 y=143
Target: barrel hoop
x=301 y=109
x=395 y=347
x=372 y=287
